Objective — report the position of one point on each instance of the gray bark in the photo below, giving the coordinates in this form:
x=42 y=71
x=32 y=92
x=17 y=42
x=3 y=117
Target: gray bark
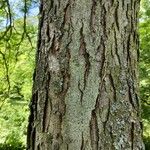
x=85 y=92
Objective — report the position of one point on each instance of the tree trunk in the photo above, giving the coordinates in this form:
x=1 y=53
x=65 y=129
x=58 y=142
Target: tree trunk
x=85 y=92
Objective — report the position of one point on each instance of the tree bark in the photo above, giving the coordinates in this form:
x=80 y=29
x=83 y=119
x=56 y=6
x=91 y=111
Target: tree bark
x=85 y=91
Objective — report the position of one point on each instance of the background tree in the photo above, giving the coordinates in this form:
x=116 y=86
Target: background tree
x=18 y=31
x=85 y=92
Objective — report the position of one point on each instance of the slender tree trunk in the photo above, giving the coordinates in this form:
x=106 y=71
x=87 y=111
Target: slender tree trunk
x=85 y=92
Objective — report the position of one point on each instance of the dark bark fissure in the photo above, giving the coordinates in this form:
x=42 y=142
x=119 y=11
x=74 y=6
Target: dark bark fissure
x=45 y=114
x=82 y=143
x=83 y=52
x=103 y=40
x=128 y=50
x=130 y=91
x=48 y=33
x=32 y=117
x=116 y=48
x=103 y=22
x=81 y=92
x=33 y=137
x=65 y=14
x=132 y=135
x=92 y=17
x=116 y=16
x=47 y=105
x=103 y=58
x=94 y=131
x=107 y=118
x=113 y=86
x=122 y=3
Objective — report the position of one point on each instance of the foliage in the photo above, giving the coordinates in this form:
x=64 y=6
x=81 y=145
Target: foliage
x=12 y=147
x=18 y=33
x=13 y=118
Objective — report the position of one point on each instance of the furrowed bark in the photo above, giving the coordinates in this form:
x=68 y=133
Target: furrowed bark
x=85 y=92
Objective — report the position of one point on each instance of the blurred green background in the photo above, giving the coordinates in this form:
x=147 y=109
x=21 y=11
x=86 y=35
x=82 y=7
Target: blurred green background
x=18 y=34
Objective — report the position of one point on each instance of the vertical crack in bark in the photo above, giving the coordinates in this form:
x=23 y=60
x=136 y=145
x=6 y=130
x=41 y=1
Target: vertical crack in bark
x=123 y=4
x=116 y=48
x=130 y=94
x=103 y=58
x=137 y=102
x=85 y=54
x=52 y=48
x=82 y=142
x=47 y=32
x=51 y=4
x=116 y=16
x=128 y=50
x=81 y=92
x=112 y=2
x=32 y=118
x=103 y=22
x=97 y=100
x=38 y=147
x=94 y=131
x=47 y=103
x=103 y=41
x=107 y=117
x=113 y=86
x=127 y=11
x=33 y=137
x=92 y=17
x=45 y=119
x=138 y=50
x=132 y=135
x=65 y=15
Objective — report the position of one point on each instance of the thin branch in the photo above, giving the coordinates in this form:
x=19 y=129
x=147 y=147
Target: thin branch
x=146 y=102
